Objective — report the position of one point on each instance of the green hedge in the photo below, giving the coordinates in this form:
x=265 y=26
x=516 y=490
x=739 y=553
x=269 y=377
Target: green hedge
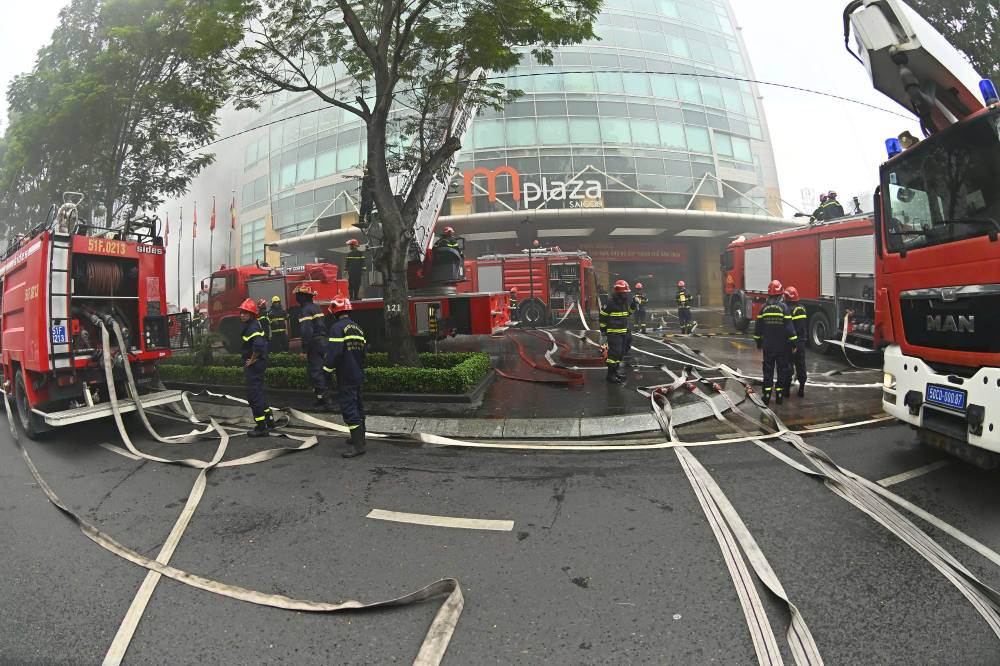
x=287 y=360
x=464 y=372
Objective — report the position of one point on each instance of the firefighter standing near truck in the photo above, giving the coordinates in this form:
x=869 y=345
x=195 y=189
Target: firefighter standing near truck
x=614 y=323
x=254 y=366
x=355 y=268
x=800 y=320
x=819 y=214
x=346 y=356
x=279 y=326
x=450 y=240
x=684 y=309
x=265 y=320
x=312 y=330
x=186 y=324
x=639 y=304
x=775 y=334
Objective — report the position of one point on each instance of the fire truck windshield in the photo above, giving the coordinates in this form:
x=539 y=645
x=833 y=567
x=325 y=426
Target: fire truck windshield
x=946 y=188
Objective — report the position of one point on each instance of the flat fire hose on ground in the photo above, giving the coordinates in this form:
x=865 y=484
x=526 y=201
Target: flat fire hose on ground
x=846 y=485
x=571 y=377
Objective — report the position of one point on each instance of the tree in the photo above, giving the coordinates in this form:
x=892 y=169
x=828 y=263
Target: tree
x=402 y=67
x=970 y=26
x=117 y=103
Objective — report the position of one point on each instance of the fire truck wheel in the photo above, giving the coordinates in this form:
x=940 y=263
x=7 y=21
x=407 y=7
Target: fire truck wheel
x=740 y=320
x=31 y=423
x=819 y=332
x=532 y=312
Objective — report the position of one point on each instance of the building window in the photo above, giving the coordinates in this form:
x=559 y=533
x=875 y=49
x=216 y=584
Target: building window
x=553 y=131
x=637 y=84
x=609 y=82
x=615 y=130
x=687 y=87
x=585 y=131
x=579 y=82
x=697 y=139
x=644 y=132
x=672 y=136
x=741 y=150
x=663 y=86
x=489 y=134
x=521 y=132
x=252 y=241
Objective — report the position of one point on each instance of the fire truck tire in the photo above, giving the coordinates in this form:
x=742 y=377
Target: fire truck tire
x=819 y=332
x=532 y=312
x=31 y=423
x=740 y=321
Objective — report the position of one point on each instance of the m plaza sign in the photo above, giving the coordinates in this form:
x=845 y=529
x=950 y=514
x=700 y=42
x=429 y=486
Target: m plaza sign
x=576 y=193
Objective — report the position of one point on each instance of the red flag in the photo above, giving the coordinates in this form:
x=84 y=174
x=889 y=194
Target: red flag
x=194 y=224
x=232 y=214
x=166 y=240
x=211 y=224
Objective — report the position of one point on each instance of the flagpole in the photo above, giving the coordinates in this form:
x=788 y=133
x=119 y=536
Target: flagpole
x=211 y=240
x=194 y=254
x=180 y=244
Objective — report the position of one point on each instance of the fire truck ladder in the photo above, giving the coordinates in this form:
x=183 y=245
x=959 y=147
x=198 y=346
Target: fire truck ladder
x=60 y=323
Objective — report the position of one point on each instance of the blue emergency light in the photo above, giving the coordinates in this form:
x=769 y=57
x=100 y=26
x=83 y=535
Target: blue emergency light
x=893 y=146
x=989 y=92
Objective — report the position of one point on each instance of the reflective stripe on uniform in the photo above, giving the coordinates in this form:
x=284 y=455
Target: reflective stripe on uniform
x=771 y=314
x=793 y=338
x=611 y=361
x=618 y=314
x=318 y=314
x=326 y=369
x=349 y=337
x=617 y=330
x=246 y=338
x=799 y=317
x=259 y=418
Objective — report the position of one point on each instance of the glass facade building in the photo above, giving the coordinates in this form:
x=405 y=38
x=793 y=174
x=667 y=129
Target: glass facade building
x=657 y=111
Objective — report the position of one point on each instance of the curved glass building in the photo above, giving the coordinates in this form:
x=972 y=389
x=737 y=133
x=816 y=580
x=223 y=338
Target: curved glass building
x=644 y=148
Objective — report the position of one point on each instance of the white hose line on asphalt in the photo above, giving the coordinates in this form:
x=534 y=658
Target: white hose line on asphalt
x=866 y=496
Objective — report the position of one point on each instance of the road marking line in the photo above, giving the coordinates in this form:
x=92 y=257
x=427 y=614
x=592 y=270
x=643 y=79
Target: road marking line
x=119 y=450
x=814 y=426
x=442 y=521
x=912 y=474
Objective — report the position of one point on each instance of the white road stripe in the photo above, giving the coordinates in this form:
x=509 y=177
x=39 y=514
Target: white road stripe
x=119 y=450
x=912 y=474
x=442 y=521
x=814 y=426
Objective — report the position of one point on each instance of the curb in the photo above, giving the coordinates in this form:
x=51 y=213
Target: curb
x=584 y=427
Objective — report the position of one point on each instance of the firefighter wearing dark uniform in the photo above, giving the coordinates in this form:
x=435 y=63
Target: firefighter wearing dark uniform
x=639 y=305
x=279 y=326
x=312 y=329
x=775 y=334
x=355 y=268
x=684 y=309
x=186 y=324
x=449 y=239
x=800 y=319
x=614 y=323
x=254 y=366
x=346 y=358
x=833 y=208
x=265 y=320
x=819 y=214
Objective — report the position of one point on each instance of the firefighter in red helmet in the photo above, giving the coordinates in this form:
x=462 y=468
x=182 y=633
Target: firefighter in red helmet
x=614 y=323
x=639 y=305
x=687 y=322
x=346 y=356
x=312 y=331
x=775 y=334
x=254 y=366
x=354 y=266
x=797 y=358
x=450 y=240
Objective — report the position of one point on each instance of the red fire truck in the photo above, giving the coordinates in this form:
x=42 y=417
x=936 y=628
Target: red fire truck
x=832 y=264
x=60 y=284
x=548 y=281
x=937 y=235
x=443 y=312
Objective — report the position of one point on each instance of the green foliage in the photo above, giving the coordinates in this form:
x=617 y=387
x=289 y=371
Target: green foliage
x=412 y=56
x=202 y=348
x=970 y=26
x=288 y=360
x=116 y=104
x=455 y=373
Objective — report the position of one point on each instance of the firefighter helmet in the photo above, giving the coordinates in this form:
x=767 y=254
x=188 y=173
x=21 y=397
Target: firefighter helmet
x=774 y=288
x=276 y=299
x=340 y=304
x=448 y=231
x=638 y=285
x=822 y=198
x=353 y=242
x=304 y=289
x=680 y=283
x=184 y=310
x=791 y=293
x=621 y=287
x=249 y=307
x=832 y=194
x=513 y=290
x=261 y=305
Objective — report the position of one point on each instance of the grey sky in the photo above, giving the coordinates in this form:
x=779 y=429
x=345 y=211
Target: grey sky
x=22 y=32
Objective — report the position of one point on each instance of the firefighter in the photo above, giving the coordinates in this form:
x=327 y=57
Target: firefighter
x=345 y=358
x=684 y=309
x=254 y=365
x=833 y=207
x=279 y=325
x=264 y=319
x=449 y=239
x=198 y=323
x=614 y=323
x=355 y=268
x=775 y=334
x=819 y=214
x=186 y=324
x=800 y=319
x=639 y=305
x=312 y=329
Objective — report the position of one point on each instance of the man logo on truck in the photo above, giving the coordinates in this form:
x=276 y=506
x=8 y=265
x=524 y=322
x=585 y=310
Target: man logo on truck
x=947 y=323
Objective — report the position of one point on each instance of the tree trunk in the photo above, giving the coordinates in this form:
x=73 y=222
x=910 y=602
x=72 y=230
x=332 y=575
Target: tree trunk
x=401 y=347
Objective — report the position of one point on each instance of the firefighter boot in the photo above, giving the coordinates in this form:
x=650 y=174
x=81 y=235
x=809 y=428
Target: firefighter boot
x=613 y=377
x=259 y=430
x=802 y=389
x=358 y=444
x=767 y=396
x=777 y=397
x=270 y=423
x=321 y=403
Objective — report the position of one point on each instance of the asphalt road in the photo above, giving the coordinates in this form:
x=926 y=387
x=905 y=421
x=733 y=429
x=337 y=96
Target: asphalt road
x=610 y=559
